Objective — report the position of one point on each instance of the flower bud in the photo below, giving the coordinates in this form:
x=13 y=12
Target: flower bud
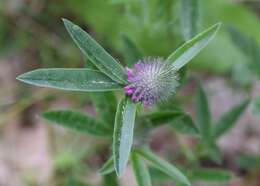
x=151 y=80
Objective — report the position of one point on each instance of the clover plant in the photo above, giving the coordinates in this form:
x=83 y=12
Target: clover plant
x=147 y=82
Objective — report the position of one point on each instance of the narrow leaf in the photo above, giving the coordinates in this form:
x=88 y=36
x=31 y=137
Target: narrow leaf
x=70 y=79
x=248 y=161
x=140 y=170
x=192 y=47
x=97 y=55
x=242 y=41
x=210 y=175
x=156 y=119
x=108 y=167
x=185 y=125
x=248 y=46
x=164 y=166
x=131 y=52
x=228 y=120
x=123 y=134
x=110 y=180
x=190 y=18
x=203 y=114
x=77 y=121
x=158 y=176
x=180 y=121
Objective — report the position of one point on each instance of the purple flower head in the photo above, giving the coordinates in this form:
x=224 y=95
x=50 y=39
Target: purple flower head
x=151 y=80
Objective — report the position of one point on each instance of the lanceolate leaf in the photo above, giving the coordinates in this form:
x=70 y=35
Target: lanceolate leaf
x=242 y=41
x=164 y=166
x=203 y=114
x=111 y=180
x=190 y=18
x=140 y=170
x=180 y=121
x=123 y=134
x=210 y=175
x=131 y=53
x=228 y=120
x=70 y=79
x=156 y=119
x=185 y=124
x=192 y=47
x=248 y=46
x=77 y=121
x=98 y=56
x=108 y=167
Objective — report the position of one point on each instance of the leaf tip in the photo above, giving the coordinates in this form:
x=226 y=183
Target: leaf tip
x=217 y=26
x=22 y=78
x=19 y=78
x=119 y=172
x=64 y=20
x=67 y=23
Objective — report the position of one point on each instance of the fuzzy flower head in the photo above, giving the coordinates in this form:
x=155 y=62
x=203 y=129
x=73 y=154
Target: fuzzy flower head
x=151 y=80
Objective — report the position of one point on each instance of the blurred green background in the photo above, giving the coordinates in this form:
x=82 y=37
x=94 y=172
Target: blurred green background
x=32 y=35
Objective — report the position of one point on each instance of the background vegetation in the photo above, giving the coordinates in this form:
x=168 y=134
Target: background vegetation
x=32 y=36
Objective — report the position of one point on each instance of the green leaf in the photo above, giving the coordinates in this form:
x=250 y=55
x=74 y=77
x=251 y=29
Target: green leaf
x=248 y=46
x=185 y=125
x=156 y=119
x=210 y=175
x=190 y=18
x=123 y=134
x=131 y=52
x=158 y=176
x=77 y=121
x=110 y=180
x=108 y=167
x=180 y=121
x=243 y=75
x=240 y=40
x=214 y=153
x=97 y=55
x=248 y=161
x=228 y=120
x=105 y=104
x=140 y=170
x=164 y=166
x=183 y=76
x=192 y=47
x=70 y=79
x=203 y=114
